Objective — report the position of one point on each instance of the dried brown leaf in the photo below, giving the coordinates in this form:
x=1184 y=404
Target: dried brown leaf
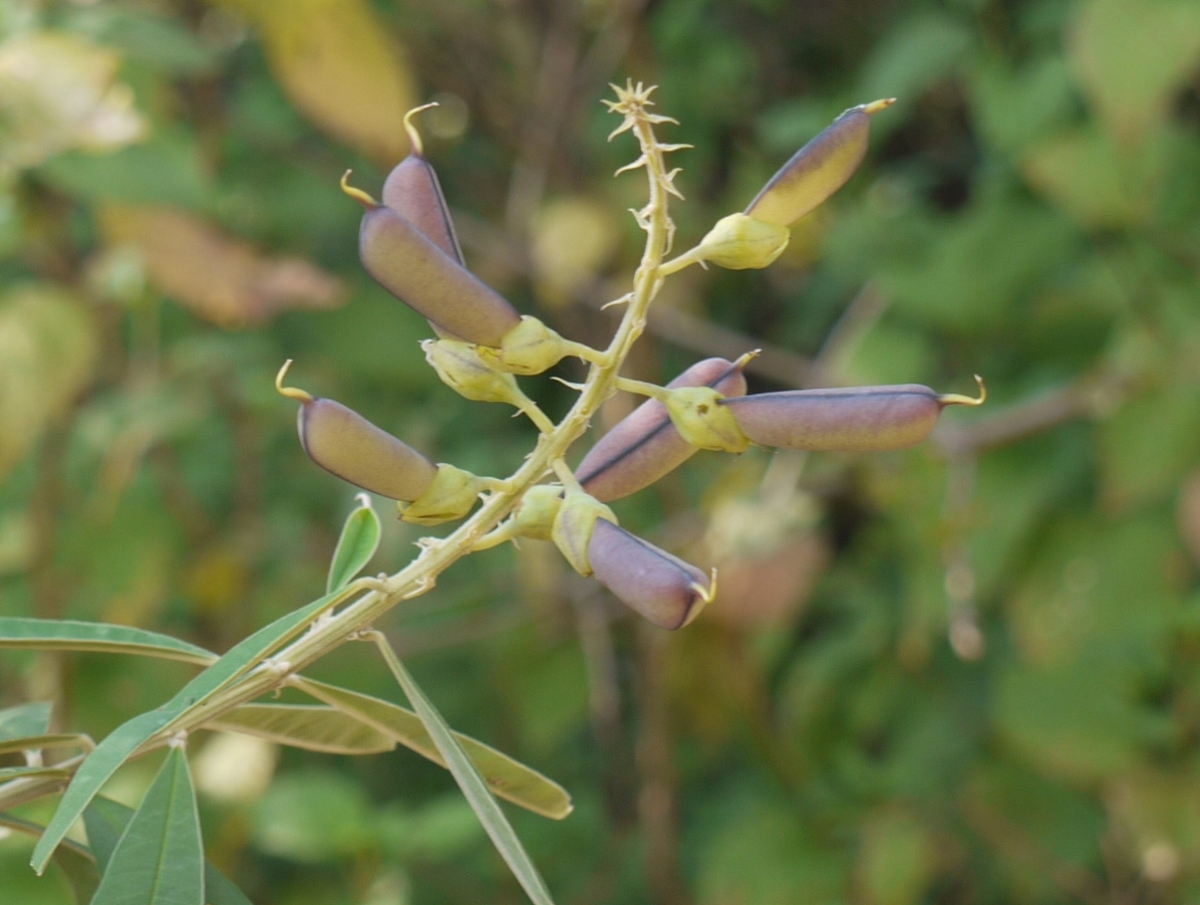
x=222 y=279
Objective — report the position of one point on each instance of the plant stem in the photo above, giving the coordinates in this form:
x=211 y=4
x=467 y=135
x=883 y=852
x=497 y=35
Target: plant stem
x=421 y=574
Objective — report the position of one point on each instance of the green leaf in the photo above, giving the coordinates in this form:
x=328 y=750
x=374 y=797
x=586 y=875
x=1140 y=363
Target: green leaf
x=159 y=859
x=24 y=720
x=473 y=786
x=105 y=821
x=102 y=763
x=325 y=729
x=62 y=634
x=356 y=546
x=39 y=742
x=1131 y=56
x=93 y=773
x=7 y=773
x=506 y=777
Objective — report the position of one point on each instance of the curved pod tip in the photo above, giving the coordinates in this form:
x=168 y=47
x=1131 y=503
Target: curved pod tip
x=875 y=106
x=357 y=194
x=414 y=137
x=290 y=392
x=958 y=399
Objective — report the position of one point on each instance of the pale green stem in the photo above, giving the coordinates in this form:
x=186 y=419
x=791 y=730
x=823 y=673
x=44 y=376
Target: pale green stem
x=653 y=390
x=687 y=259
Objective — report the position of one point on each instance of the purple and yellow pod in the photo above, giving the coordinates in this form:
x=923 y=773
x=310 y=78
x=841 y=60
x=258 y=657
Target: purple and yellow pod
x=346 y=444
x=661 y=587
x=413 y=191
x=411 y=266
x=849 y=419
x=818 y=169
x=645 y=445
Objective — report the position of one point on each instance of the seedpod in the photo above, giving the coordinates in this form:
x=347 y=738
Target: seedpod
x=852 y=419
x=413 y=191
x=346 y=444
x=818 y=169
x=645 y=445
x=661 y=587
x=413 y=268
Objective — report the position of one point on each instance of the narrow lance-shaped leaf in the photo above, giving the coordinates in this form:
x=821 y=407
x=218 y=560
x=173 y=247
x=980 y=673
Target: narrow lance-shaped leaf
x=7 y=773
x=324 y=729
x=43 y=742
x=159 y=859
x=472 y=784
x=62 y=634
x=356 y=545
x=506 y=777
x=105 y=821
x=113 y=751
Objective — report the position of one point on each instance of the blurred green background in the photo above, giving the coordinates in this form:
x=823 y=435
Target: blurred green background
x=968 y=672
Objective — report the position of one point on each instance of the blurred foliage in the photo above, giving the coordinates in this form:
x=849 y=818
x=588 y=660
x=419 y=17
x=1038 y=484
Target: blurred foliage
x=967 y=672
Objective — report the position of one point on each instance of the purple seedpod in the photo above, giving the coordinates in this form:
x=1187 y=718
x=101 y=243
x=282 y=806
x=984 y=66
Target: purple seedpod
x=346 y=444
x=661 y=587
x=818 y=169
x=645 y=445
x=411 y=267
x=851 y=419
x=412 y=190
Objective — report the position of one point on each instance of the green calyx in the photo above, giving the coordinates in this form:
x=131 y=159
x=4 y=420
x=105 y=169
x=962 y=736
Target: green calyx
x=450 y=496
x=461 y=368
x=531 y=348
x=573 y=526
x=742 y=242
x=702 y=421
x=538 y=511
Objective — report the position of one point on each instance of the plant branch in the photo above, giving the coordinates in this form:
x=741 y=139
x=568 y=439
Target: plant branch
x=437 y=555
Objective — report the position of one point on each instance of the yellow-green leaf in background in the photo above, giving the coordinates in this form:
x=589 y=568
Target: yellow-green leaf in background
x=1131 y=56
x=1086 y=175
x=337 y=63
x=897 y=861
x=59 y=92
x=47 y=355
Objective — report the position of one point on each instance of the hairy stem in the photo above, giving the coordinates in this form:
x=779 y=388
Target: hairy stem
x=437 y=555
